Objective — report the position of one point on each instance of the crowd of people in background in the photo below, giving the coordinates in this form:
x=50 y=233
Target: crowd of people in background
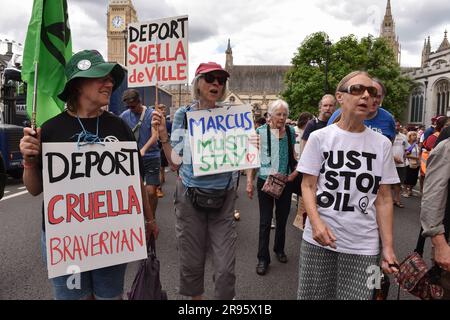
x=353 y=164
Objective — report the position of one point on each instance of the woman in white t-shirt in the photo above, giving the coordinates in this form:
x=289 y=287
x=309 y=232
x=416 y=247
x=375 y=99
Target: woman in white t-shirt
x=347 y=172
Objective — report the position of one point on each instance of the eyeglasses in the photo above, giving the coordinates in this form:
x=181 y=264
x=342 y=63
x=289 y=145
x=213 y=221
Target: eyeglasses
x=359 y=89
x=210 y=78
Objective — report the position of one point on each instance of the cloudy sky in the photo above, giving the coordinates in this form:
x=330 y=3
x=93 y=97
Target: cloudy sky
x=261 y=31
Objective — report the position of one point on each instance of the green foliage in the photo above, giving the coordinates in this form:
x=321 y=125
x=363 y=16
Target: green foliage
x=305 y=82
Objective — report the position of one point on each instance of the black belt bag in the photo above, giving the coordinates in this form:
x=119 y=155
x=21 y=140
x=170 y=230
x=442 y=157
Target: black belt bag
x=208 y=199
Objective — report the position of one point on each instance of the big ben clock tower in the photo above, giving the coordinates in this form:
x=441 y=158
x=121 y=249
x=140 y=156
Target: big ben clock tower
x=120 y=14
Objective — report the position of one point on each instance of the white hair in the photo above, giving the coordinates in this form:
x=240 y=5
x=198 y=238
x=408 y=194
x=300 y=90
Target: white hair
x=276 y=104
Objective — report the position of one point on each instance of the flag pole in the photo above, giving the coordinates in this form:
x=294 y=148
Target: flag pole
x=156 y=90
x=34 y=105
x=157 y=71
x=156 y=99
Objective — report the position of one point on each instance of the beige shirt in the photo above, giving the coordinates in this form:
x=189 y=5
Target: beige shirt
x=435 y=190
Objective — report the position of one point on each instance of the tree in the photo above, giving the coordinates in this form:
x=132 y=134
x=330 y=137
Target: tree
x=305 y=81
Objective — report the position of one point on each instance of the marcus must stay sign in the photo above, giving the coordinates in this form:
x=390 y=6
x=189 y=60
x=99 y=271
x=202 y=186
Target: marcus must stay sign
x=219 y=140
x=93 y=206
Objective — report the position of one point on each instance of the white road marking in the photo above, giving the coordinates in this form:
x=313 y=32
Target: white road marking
x=21 y=188
x=14 y=195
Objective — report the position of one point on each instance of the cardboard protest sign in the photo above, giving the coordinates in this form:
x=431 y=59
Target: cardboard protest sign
x=219 y=140
x=94 y=216
x=157 y=52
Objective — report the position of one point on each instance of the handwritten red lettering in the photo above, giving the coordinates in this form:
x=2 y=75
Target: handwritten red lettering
x=133 y=201
x=54 y=249
x=51 y=210
x=97 y=207
x=72 y=202
x=81 y=247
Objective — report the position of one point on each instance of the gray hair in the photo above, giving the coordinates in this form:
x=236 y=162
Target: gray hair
x=195 y=90
x=276 y=104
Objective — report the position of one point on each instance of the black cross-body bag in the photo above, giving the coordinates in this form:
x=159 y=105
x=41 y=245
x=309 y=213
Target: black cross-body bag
x=137 y=127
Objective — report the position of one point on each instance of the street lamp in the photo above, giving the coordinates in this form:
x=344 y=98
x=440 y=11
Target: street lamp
x=327 y=48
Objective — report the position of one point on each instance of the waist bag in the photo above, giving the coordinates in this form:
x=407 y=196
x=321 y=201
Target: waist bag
x=208 y=199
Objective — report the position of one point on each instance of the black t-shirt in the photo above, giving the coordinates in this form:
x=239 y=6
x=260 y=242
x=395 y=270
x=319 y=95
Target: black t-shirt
x=313 y=125
x=64 y=128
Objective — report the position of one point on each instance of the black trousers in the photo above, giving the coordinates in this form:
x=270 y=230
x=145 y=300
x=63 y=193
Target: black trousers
x=282 y=208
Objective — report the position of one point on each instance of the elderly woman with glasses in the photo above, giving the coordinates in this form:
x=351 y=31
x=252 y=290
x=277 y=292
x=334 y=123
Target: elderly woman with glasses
x=90 y=83
x=197 y=229
x=347 y=172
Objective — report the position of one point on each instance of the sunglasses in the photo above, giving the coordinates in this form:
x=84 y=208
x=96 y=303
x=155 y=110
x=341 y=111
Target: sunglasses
x=210 y=78
x=359 y=89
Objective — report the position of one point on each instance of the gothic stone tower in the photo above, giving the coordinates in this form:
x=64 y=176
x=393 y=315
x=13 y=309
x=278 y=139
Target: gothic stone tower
x=426 y=51
x=120 y=14
x=229 y=57
x=388 y=31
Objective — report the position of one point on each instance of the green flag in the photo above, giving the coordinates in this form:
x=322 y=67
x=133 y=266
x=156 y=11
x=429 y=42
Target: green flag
x=48 y=43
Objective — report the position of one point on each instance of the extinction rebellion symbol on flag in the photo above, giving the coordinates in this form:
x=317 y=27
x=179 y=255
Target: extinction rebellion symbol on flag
x=60 y=30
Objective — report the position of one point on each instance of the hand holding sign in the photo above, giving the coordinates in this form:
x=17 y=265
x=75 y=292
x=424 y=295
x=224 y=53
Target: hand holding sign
x=30 y=145
x=159 y=124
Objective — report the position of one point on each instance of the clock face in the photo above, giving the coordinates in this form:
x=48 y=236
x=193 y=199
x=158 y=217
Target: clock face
x=117 y=22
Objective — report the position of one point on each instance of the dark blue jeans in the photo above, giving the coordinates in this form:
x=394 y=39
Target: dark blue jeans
x=282 y=209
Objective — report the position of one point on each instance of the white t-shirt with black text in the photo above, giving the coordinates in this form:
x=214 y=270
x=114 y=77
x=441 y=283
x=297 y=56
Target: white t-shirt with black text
x=350 y=168
x=399 y=149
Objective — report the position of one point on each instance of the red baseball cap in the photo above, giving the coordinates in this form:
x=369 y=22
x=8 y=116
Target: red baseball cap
x=209 y=67
x=437 y=118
